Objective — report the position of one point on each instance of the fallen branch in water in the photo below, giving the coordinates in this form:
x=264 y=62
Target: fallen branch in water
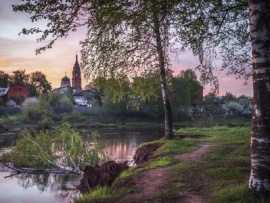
x=16 y=170
x=63 y=149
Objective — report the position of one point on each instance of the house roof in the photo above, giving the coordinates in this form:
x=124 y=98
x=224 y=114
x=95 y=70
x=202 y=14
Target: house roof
x=56 y=90
x=82 y=92
x=3 y=90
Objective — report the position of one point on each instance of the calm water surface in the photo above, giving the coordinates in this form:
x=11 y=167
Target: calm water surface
x=55 y=188
x=24 y=188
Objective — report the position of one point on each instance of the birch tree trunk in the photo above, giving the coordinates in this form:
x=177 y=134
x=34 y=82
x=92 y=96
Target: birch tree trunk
x=163 y=82
x=259 y=180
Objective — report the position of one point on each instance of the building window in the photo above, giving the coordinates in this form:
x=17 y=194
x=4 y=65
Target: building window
x=15 y=89
x=20 y=89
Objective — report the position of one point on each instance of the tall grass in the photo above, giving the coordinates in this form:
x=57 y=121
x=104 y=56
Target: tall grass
x=178 y=146
x=102 y=194
x=221 y=134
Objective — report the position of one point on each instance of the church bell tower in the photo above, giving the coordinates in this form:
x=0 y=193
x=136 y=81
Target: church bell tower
x=76 y=76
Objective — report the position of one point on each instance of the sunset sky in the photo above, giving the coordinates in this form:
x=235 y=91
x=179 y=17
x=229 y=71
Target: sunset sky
x=18 y=52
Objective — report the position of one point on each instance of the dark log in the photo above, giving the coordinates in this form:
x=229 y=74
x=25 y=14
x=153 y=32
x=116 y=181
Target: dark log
x=104 y=175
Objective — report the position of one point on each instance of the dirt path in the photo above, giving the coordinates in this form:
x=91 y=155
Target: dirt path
x=195 y=196
x=148 y=185
x=197 y=155
x=151 y=183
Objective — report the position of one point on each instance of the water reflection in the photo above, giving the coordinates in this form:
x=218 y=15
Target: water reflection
x=38 y=188
x=122 y=145
x=29 y=180
x=55 y=188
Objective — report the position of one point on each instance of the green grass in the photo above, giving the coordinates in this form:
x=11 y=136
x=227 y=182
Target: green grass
x=230 y=194
x=178 y=146
x=228 y=173
x=237 y=121
x=181 y=173
x=160 y=162
x=127 y=173
x=103 y=194
x=224 y=171
x=221 y=134
x=183 y=166
x=227 y=165
x=238 y=194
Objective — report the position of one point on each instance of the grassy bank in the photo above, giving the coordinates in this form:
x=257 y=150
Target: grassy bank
x=222 y=176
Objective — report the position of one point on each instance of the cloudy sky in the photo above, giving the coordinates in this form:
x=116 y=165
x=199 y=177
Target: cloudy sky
x=18 y=52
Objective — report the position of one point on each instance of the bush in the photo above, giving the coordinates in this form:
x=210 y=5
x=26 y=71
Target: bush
x=242 y=107
x=63 y=109
x=2 y=102
x=182 y=114
x=30 y=101
x=9 y=110
x=63 y=148
x=11 y=103
x=35 y=110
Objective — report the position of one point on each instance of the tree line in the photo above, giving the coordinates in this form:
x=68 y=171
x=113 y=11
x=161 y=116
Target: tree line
x=36 y=82
x=119 y=95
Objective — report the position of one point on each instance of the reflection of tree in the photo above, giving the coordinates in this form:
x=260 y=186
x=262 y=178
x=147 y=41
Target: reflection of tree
x=68 y=195
x=29 y=180
x=63 y=186
x=59 y=182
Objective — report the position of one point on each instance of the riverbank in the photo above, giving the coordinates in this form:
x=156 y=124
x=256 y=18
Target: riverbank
x=200 y=165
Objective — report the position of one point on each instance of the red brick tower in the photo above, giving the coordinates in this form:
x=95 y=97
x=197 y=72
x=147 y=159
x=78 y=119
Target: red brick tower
x=76 y=76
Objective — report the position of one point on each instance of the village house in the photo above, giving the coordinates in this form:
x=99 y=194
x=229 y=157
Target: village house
x=17 y=93
x=85 y=97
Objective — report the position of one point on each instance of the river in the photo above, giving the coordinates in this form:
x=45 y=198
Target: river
x=120 y=144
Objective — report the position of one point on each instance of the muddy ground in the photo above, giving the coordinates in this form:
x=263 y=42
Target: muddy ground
x=153 y=182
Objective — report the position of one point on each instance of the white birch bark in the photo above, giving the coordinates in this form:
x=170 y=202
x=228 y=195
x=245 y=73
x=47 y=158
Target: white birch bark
x=163 y=82
x=259 y=180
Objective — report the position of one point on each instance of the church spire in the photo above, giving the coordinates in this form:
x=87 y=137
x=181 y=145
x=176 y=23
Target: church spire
x=76 y=62
x=76 y=75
